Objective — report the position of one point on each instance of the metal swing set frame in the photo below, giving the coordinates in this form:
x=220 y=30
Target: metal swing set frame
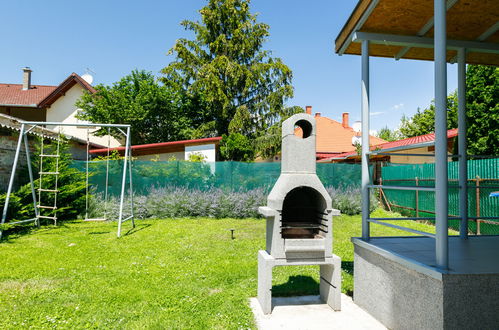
x=28 y=126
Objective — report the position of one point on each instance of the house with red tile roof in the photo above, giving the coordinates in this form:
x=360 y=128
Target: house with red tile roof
x=32 y=102
x=401 y=151
x=334 y=138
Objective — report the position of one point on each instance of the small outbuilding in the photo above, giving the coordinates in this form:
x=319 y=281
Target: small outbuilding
x=207 y=148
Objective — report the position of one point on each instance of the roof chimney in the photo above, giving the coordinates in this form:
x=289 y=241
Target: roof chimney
x=26 y=78
x=345 y=120
x=317 y=114
x=308 y=109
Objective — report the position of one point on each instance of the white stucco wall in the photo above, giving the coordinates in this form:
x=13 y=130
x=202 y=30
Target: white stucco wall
x=64 y=110
x=161 y=157
x=207 y=150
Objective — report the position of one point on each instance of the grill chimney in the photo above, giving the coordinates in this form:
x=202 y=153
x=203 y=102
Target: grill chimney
x=345 y=120
x=308 y=109
x=26 y=78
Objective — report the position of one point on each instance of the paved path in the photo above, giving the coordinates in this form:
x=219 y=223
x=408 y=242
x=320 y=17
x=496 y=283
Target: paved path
x=309 y=312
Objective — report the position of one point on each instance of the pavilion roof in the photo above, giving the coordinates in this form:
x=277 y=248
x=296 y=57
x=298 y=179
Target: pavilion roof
x=404 y=29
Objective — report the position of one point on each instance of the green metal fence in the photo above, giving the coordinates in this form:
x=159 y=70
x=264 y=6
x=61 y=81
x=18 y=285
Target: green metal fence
x=483 y=179
x=203 y=176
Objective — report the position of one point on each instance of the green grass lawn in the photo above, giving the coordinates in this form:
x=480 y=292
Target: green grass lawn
x=182 y=273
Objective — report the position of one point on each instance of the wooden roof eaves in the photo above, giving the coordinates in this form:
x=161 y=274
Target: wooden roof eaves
x=424 y=42
x=357 y=18
x=484 y=30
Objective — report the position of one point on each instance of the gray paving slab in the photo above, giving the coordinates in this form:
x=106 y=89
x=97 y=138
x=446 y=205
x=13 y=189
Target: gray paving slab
x=310 y=313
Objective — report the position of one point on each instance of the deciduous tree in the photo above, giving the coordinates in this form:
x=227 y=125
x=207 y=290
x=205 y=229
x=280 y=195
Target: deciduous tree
x=157 y=113
x=482 y=112
x=388 y=135
x=482 y=109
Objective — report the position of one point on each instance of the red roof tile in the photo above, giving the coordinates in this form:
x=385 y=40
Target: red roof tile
x=333 y=138
x=39 y=96
x=13 y=94
x=399 y=143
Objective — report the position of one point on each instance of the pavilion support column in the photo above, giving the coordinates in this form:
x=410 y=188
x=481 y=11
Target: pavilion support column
x=441 y=175
x=463 y=166
x=365 y=140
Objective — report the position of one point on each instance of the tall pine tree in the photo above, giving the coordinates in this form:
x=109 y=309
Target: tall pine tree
x=243 y=88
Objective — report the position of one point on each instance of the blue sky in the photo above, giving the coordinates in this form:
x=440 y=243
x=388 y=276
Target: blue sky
x=58 y=37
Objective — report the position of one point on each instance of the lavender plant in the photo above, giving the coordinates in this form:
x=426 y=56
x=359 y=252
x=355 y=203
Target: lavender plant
x=214 y=203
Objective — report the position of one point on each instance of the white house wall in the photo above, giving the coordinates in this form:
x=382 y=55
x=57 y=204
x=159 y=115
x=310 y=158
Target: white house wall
x=161 y=157
x=64 y=110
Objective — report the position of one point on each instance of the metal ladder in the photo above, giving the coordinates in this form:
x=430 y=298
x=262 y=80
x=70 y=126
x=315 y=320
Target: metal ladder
x=50 y=190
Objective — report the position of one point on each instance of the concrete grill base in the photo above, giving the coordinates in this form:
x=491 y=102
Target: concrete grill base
x=330 y=278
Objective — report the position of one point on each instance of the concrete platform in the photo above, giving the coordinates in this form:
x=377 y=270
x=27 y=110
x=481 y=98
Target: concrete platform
x=396 y=280
x=309 y=312
x=475 y=255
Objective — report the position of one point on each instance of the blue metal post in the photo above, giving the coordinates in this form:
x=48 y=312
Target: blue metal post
x=441 y=175
x=365 y=139
x=463 y=166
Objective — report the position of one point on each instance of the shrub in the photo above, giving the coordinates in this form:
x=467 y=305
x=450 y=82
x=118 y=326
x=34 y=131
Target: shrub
x=215 y=203
x=349 y=200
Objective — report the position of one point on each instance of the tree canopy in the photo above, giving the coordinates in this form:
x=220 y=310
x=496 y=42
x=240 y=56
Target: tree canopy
x=482 y=112
x=482 y=109
x=156 y=113
x=423 y=121
x=242 y=87
x=388 y=135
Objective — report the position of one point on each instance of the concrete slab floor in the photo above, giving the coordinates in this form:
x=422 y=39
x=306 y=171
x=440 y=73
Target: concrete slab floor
x=309 y=312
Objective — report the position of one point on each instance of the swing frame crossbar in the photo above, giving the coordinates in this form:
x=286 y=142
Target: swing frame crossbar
x=27 y=126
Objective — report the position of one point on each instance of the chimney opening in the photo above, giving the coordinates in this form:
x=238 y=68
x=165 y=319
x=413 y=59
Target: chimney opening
x=306 y=128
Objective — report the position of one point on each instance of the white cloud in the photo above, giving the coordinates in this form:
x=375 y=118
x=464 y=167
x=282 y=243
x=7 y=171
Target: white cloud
x=397 y=106
x=377 y=113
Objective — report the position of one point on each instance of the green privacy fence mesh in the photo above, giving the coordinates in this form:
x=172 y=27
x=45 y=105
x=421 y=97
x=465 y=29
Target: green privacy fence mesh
x=229 y=175
x=483 y=179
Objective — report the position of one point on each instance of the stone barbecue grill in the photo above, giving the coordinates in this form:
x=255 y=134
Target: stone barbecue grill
x=299 y=216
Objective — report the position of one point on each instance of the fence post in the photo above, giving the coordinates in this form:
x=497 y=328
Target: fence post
x=178 y=172
x=382 y=194
x=231 y=174
x=477 y=196
x=417 y=198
